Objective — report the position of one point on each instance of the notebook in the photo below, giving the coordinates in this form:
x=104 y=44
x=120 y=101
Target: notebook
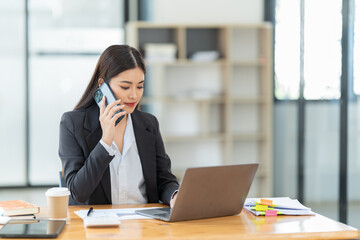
x=17 y=207
x=208 y=192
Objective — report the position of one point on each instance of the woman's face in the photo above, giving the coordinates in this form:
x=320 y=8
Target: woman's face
x=129 y=87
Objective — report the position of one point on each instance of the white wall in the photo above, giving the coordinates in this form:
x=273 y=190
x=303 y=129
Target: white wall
x=207 y=11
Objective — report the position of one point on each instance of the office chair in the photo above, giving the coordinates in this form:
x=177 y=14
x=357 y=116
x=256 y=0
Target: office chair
x=62 y=182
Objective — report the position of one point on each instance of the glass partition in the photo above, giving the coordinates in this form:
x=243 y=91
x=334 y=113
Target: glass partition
x=354 y=132
x=65 y=40
x=12 y=93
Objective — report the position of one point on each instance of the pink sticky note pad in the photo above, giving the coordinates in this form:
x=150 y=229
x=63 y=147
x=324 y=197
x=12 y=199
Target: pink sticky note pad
x=270 y=213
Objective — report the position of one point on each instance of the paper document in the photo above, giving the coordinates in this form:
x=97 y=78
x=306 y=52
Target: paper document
x=4 y=219
x=122 y=213
x=283 y=206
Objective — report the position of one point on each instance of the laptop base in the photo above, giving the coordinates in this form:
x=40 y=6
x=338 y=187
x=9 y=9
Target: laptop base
x=157 y=213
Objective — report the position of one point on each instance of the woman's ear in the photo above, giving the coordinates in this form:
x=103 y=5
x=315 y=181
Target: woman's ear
x=100 y=81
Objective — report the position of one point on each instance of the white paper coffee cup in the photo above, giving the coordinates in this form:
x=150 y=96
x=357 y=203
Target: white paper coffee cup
x=57 y=201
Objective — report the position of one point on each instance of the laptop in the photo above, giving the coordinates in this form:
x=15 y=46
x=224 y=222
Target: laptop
x=207 y=192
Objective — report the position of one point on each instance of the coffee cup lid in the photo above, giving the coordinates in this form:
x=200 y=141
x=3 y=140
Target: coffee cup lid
x=57 y=192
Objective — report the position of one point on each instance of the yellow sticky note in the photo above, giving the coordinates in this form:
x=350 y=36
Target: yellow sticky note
x=261 y=207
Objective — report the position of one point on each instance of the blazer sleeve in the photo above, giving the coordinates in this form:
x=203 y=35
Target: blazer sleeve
x=167 y=182
x=82 y=175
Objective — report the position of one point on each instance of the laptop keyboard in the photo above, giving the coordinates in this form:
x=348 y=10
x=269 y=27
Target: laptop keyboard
x=161 y=211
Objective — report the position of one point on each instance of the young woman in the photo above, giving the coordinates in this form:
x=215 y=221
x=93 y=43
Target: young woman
x=122 y=164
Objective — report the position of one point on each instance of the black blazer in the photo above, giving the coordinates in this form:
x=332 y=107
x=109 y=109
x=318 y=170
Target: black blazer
x=86 y=162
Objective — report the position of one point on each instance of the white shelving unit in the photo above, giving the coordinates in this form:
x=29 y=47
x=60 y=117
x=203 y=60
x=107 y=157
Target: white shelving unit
x=216 y=111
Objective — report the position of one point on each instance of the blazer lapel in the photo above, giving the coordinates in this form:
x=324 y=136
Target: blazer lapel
x=93 y=126
x=145 y=141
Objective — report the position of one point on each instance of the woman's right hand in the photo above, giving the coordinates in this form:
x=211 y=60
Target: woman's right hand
x=107 y=119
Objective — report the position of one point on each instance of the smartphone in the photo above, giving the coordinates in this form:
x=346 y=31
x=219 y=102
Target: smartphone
x=105 y=90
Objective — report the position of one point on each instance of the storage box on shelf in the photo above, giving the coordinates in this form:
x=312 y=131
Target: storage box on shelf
x=211 y=88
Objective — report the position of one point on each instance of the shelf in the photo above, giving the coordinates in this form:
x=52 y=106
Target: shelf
x=214 y=112
x=221 y=61
x=179 y=173
x=200 y=137
x=148 y=100
x=262 y=174
x=249 y=136
x=212 y=100
x=248 y=63
x=186 y=62
x=246 y=100
x=151 y=25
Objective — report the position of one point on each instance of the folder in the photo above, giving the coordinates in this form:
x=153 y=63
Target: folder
x=282 y=206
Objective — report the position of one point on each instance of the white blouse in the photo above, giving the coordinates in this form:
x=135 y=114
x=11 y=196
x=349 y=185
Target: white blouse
x=126 y=175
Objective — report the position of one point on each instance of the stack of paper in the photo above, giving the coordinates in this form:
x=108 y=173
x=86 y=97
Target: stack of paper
x=205 y=56
x=122 y=213
x=276 y=206
x=4 y=220
x=160 y=52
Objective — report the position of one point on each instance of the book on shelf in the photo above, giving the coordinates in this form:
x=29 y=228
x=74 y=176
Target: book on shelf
x=17 y=207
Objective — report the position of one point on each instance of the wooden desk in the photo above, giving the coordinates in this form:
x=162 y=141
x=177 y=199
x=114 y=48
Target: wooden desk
x=242 y=226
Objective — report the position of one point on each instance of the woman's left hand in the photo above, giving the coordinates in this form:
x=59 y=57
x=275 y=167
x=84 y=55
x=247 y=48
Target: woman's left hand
x=172 y=201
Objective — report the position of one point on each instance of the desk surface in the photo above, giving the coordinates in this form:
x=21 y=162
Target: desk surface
x=242 y=226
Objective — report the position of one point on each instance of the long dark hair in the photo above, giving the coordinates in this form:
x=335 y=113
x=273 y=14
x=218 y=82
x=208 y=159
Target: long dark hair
x=113 y=61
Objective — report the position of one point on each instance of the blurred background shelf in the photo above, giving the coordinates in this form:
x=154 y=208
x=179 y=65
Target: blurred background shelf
x=181 y=99
x=210 y=86
x=194 y=138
